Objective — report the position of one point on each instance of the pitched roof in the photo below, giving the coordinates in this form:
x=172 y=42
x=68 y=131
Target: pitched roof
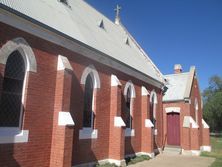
x=179 y=85
x=82 y=22
x=176 y=84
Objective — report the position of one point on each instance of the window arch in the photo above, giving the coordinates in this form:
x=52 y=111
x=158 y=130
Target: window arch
x=88 y=115
x=12 y=90
x=129 y=93
x=128 y=109
x=90 y=78
x=18 y=58
x=196 y=110
x=153 y=103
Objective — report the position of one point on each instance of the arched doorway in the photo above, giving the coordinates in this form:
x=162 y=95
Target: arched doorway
x=173 y=128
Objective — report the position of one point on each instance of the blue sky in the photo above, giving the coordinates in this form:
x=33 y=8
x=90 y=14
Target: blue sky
x=188 y=32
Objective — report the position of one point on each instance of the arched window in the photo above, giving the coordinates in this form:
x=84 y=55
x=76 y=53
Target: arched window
x=12 y=89
x=196 y=110
x=128 y=108
x=88 y=115
x=129 y=94
x=153 y=102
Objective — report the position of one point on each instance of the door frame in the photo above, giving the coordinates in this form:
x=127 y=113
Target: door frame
x=173 y=110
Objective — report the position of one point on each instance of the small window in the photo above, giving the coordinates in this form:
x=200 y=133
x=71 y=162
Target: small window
x=152 y=110
x=128 y=109
x=88 y=115
x=64 y=1
x=11 y=95
x=127 y=41
x=101 y=24
x=196 y=110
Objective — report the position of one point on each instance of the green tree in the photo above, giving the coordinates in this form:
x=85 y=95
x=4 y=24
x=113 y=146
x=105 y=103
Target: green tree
x=212 y=97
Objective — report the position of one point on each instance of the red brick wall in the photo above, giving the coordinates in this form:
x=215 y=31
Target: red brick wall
x=184 y=111
x=195 y=93
x=39 y=107
x=186 y=135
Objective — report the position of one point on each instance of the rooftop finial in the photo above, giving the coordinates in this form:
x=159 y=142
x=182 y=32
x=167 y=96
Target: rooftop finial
x=117 y=19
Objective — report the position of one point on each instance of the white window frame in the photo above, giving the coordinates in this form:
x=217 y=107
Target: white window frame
x=196 y=106
x=17 y=134
x=155 y=102
x=89 y=132
x=130 y=132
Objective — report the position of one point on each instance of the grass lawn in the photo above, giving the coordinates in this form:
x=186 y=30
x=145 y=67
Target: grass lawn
x=216 y=143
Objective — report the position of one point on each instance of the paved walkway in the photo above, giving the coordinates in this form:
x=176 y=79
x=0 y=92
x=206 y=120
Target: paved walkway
x=176 y=161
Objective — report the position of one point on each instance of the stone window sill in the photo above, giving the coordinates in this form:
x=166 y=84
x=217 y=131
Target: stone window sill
x=129 y=132
x=88 y=133
x=13 y=135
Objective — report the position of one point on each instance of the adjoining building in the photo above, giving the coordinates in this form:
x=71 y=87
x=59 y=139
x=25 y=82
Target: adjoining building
x=184 y=125
x=75 y=88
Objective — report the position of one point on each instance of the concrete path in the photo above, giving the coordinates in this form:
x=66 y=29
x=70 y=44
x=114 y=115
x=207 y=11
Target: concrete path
x=176 y=161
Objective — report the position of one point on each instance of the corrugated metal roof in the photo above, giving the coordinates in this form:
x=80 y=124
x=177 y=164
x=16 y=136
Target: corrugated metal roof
x=81 y=22
x=176 y=84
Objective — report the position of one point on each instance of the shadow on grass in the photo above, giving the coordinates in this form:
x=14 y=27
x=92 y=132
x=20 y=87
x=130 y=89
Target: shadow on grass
x=216 y=143
x=136 y=159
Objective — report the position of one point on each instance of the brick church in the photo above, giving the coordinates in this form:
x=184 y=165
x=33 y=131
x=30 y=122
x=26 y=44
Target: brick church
x=77 y=89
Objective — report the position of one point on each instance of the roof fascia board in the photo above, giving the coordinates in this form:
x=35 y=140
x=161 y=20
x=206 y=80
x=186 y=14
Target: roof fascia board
x=189 y=83
x=173 y=100
x=27 y=24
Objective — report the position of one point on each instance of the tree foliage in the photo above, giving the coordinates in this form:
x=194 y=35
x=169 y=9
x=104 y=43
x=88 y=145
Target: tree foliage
x=212 y=97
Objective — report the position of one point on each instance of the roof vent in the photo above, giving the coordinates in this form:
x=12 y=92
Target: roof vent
x=177 y=68
x=101 y=24
x=64 y=2
x=127 y=41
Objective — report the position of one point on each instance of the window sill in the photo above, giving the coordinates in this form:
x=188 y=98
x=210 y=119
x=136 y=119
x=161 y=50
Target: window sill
x=13 y=135
x=129 y=132
x=88 y=133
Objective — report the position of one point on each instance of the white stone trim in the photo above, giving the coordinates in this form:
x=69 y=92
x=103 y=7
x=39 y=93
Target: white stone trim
x=188 y=122
x=113 y=161
x=155 y=132
x=144 y=91
x=104 y=161
x=172 y=110
x=153 y=93
x=195 y=152
x=115 y=81
x=205 y=125
x=65 y=119
x=118 y=122
x=133 y=92
x=191 y=152
x=151 y=155
x=205 y=148
x=88 y=133
x=19 y=44
x=94 y=74
x=63 y=63
x=129 y=132
x=89 y=164
x=13 y=135
x=23 y=48
x=148 y=123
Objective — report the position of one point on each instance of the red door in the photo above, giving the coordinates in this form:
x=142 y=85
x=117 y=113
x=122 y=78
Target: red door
x=173 y=129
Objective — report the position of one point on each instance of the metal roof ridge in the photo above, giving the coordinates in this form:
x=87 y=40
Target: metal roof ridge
x=183 y=73
x=142 y=52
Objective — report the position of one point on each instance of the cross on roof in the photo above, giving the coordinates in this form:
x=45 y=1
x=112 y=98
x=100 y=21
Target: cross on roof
x=117 y=9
